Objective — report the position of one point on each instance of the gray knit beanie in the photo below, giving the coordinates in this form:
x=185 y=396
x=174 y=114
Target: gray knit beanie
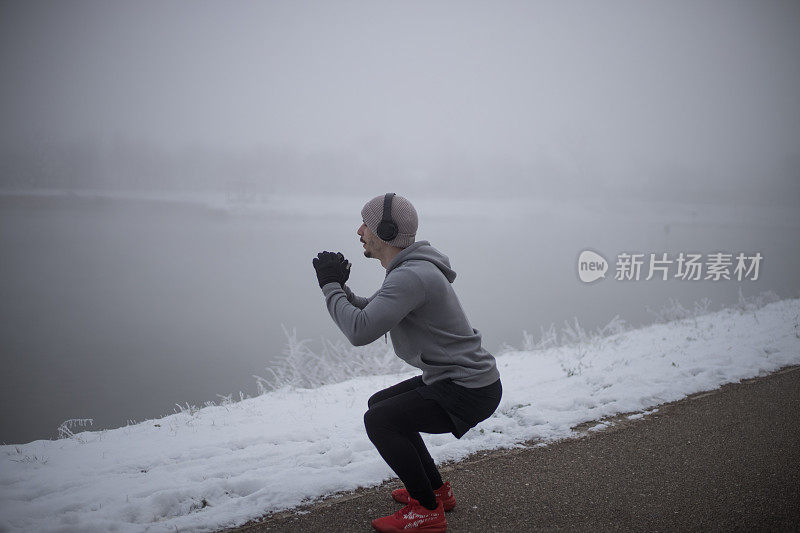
x=403 y=214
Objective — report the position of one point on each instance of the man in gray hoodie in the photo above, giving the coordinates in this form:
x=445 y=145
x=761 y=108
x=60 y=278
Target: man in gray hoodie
x=416 y=304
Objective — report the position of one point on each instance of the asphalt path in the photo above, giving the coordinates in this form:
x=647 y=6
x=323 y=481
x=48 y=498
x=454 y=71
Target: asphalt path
x=726 y=460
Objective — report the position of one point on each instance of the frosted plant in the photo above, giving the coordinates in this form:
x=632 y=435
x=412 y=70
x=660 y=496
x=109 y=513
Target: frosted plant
x=506 y=347
x=672 y=310
x=301 y=367
x=225 y=400
x=615 y=326
x=66 y=427
x=573 y=333
x=755 y=302
x=703 y=307
x=573 y=366
x=547 y=339
x=190 y=410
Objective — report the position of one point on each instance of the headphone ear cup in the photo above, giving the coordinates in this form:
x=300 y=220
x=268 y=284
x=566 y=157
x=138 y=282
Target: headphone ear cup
x=387 y=230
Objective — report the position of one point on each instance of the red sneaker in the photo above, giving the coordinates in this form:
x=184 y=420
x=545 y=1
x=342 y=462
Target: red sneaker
x=443 y=494
x=412 y=518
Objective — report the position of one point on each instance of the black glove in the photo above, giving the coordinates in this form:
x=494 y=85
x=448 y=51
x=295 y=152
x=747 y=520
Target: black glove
x=331 y=268
x=345 y=270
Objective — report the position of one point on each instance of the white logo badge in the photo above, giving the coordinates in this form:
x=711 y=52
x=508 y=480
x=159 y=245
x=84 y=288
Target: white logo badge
x=591 y=266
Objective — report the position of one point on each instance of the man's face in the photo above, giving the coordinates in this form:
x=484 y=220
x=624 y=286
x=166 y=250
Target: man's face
x=371 y=241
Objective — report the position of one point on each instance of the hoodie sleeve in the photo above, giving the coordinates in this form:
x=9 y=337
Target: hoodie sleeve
x=358 y=301
x=401 y=292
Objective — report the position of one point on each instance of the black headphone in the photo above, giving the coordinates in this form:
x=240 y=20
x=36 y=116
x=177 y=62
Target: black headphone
x=387 y=229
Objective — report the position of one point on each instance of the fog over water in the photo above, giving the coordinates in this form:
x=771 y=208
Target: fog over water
x=119 y=310
x=524 y=132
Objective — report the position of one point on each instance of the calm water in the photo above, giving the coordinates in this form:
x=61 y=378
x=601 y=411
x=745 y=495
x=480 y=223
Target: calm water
x=118 y=310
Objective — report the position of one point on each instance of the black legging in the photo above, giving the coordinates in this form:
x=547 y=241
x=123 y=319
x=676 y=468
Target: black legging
x=395 y=417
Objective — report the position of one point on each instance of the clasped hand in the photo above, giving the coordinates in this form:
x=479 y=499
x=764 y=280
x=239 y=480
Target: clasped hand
x=331 y=267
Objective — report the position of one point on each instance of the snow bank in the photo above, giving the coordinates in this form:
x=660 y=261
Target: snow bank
x=219 y=466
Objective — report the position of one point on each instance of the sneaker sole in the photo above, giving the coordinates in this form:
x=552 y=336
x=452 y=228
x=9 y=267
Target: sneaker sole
x=434 y=528
x=446 y=505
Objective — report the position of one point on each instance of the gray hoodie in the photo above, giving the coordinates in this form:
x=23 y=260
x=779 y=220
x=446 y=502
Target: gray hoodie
x=417 y=305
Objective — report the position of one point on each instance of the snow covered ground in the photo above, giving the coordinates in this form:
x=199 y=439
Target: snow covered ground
x=218 y=466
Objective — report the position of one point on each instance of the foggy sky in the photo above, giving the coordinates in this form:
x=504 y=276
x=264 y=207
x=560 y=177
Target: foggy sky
x=604 y=91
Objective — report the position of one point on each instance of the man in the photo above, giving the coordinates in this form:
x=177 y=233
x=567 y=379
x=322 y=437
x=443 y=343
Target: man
x=460 y=384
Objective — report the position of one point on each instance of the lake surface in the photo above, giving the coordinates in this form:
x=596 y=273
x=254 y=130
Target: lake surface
x=117 y=310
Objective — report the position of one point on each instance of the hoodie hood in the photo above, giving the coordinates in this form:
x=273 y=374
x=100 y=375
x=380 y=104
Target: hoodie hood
x=423 y=250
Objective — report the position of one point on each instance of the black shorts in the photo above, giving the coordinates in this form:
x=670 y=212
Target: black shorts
x=466 y=407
